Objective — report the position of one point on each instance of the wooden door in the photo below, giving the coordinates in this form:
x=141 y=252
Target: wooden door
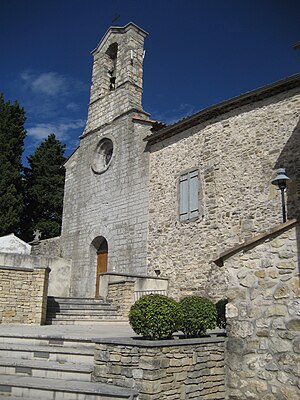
x=101 y=267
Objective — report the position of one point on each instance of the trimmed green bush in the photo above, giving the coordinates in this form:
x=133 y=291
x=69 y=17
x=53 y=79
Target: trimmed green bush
x=221 y=311
x=197 y=315
x=154 y=316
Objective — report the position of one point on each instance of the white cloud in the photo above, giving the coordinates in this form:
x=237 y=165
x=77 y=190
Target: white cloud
x=47 y=83
x=72 y=106
x=42 y=130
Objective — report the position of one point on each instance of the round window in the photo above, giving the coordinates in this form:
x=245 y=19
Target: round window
x=103 y=156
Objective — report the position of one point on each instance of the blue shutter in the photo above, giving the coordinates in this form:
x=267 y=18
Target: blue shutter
x=193 y=195
x=183 y=198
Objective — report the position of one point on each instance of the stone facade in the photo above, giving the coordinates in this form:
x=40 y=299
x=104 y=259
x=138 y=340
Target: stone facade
x=236 y=147
x=180 y=369
x=130 y=203
x=106 y=199
x=263 y=316
x=23 y=295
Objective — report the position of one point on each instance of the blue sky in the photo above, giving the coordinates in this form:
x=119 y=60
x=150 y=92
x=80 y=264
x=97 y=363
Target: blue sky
x=198 y=53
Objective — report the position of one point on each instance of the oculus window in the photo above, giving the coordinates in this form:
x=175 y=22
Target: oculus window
x=189 y=195
x=103 y=156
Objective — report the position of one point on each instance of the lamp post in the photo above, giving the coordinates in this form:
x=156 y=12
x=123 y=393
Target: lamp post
x=281 y=182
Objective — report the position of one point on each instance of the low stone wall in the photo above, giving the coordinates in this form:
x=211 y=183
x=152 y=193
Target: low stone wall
x=60 y=270
x=122 y=290
x=23 y=295
x=47 y=247
x=263 y=316
x=170 y=369
x=121 y=295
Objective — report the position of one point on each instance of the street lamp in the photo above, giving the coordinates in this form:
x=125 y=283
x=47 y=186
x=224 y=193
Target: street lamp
x=281 y=182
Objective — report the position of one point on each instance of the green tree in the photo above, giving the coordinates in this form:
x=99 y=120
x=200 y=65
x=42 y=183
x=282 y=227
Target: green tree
x=44 y=188
x=12 y=135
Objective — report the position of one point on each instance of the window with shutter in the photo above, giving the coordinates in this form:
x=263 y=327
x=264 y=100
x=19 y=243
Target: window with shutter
x=189 y=195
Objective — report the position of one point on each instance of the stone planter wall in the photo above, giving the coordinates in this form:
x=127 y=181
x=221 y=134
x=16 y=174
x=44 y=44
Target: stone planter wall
x=23 y=295
x=263 y=315
x=169 y=369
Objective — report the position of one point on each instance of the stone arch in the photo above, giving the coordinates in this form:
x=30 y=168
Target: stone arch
x=111 y=54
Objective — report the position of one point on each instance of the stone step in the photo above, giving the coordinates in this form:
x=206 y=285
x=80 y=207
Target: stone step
x=63 y=320
x=84 y=313
x=76 y=306
x=60 y=354
x=46 y=369
x=47 y=340
x=74 y=300
x=78 y=311
x=53 y=389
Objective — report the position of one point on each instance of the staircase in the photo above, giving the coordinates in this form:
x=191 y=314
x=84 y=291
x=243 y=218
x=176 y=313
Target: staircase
x=53 y=368
x=72 y=310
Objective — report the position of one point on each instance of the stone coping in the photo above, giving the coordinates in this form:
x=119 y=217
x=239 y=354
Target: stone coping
x=25 y=269
x=119 y=282
x=139 y=342
x=133 y=275
x=250 y=242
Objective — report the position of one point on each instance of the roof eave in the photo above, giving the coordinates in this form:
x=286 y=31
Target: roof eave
x=225 y=106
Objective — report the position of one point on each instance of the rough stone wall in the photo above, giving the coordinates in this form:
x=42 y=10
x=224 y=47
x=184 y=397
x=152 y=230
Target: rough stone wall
x=236 y=154
x=263 y=316
x=112 y=204
x=121 y=295
x=165 y=369
x=48 y=247
x=23 y=295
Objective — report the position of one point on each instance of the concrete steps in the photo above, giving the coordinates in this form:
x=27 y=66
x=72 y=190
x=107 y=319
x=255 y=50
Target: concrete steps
x=54 y=389
x=71 y=311
x=50 y=367
x=46 y=369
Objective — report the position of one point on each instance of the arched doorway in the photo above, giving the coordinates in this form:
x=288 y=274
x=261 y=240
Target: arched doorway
x=100 y=244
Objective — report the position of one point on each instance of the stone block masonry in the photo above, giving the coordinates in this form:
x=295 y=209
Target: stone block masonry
x=121 y=294
x=236 y=154
x=177 y=369
x=23 y=295
x=263 y=315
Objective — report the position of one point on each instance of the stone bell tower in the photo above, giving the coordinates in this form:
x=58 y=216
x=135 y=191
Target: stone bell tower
x=105 y=218
x=117 y=80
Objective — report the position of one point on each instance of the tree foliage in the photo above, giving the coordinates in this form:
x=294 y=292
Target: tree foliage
x=12 y=135
x=44 y=187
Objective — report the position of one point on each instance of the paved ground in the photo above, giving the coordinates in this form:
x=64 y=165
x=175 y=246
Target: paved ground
x=99 y=330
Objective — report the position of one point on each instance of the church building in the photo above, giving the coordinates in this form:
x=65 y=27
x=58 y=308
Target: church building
x=142 y=198
x=189 y=208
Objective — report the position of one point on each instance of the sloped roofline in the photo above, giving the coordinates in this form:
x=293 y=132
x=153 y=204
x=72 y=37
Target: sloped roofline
x=119 y=29
x=254 y=241
x=224 y=107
